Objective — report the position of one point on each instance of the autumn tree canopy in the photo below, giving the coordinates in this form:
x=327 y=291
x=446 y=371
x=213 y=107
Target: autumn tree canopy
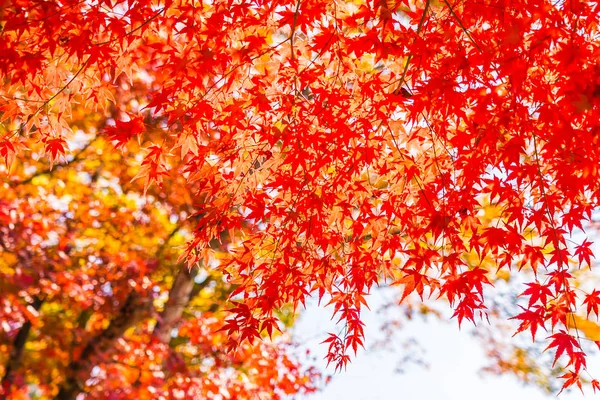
x=94 y=300
x=328 y=147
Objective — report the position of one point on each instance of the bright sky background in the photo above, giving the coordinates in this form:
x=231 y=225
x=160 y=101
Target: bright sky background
x=454 y=357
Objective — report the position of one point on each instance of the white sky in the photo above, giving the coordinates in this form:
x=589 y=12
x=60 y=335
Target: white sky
x=454 y=357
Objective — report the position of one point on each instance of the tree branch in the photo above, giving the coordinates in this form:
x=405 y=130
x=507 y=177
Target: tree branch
x=462 y=26
x=16 y=353
x=408 y=60
x=129 y=313
x=46 y=171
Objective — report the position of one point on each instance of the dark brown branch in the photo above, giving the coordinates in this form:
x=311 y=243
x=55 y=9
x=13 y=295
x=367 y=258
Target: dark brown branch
x=16 y=353
x=47 y=171
x=79 y=369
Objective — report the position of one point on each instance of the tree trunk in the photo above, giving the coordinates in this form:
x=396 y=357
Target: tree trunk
x=179 y=297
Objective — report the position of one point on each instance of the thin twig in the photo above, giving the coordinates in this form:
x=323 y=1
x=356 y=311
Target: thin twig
x=462 y=26
x=408 y=60
x=224 y=76
x=133 y=30
x=40 y=108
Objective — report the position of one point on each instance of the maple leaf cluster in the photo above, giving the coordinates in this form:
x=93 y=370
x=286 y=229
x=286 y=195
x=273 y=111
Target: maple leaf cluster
x=331 y=147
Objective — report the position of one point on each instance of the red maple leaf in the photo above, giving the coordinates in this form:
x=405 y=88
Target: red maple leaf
x=564 y=343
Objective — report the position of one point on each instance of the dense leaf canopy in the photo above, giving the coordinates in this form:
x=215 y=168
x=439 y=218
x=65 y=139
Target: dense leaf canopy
x=324 y=148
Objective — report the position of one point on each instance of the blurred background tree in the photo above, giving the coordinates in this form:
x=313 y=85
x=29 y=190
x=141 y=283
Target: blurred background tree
x=94 y=298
